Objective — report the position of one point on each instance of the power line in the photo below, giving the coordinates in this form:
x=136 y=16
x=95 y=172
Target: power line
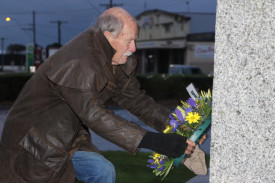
x=46 y=35
x=110 y=5
x=59 y=29
x=54 y=12
x=33 y=29
x=91 y=4
x=34 y=32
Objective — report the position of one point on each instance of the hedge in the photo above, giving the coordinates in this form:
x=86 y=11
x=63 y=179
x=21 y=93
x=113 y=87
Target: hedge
x=11 y=84
x=167 y=87
x=159 y=86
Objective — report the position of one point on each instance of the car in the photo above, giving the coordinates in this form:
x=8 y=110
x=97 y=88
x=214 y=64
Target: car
x=184 y=69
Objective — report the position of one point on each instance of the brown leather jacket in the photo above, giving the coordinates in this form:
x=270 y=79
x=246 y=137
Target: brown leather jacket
x=49 y=120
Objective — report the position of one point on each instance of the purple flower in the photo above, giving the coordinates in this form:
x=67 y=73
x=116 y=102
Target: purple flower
x=151 y=160
x=153 y=166
x=171 y=116
x=175 y=124
x=161 y=168
x=179 y=114
x=161 y=161
x=191 y=102
x=187 y=110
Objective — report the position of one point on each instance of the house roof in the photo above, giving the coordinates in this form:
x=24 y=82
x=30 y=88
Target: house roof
x=200 y=22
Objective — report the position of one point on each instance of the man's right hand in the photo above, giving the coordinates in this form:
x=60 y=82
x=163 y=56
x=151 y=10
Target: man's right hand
x=172 y=145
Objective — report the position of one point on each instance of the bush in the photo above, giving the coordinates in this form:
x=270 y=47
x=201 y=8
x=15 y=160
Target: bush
x=167 y=87
x=11 y=84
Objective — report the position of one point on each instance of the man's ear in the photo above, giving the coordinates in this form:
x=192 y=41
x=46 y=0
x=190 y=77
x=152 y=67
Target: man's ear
x=108 y=35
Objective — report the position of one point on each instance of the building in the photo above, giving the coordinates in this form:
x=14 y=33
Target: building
x=200 y=51
x=174 y=38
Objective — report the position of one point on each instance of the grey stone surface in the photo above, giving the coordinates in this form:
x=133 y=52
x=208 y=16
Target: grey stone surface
x=243 y=118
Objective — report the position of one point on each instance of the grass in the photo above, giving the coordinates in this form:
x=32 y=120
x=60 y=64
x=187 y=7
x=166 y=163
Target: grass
x=133 y=169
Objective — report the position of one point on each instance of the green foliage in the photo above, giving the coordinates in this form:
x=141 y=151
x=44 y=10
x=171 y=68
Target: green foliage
x=15 y=48
x=11 y=84
x=165 y=86
x=133 y=169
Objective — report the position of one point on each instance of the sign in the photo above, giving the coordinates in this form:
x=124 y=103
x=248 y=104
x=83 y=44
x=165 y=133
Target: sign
x=52 y=51
x=29 y=56
x=192 y=91
x=204 y=51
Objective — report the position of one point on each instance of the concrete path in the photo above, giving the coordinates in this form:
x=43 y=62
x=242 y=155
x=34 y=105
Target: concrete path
x=104 y=145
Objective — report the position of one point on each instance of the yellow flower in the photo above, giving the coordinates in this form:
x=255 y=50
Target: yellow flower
x=192 y=117
x=168 y=129
x=157 y=157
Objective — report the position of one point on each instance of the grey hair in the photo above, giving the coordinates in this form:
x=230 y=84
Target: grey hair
x=110 y=23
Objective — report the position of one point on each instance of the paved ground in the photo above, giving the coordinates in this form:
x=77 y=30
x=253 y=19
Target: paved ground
x=105 y=145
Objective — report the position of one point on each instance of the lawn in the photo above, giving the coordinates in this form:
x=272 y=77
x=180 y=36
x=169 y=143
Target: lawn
x=133 y=169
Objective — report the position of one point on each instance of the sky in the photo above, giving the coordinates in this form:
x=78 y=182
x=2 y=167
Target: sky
x=75 y=15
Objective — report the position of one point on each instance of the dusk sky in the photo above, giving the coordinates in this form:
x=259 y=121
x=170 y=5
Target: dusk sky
x=76 y=15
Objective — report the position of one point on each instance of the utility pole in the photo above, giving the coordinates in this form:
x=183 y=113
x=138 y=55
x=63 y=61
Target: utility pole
x=33 y=28
x=110 y=5
x=59 y=29
x=3 y=59
x=30 y=61
x=34 y=36
x=187 y=6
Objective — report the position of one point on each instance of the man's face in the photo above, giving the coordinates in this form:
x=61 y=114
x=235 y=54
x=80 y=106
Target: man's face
x=124 y=44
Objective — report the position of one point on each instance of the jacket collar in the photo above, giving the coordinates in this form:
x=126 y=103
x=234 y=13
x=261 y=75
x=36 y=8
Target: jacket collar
x=99 y=41
x=129 y=66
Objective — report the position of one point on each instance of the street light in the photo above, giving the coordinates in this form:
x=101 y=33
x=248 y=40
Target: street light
x=8 y=19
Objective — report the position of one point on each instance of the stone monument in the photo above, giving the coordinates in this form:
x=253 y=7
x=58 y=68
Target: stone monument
x=243 y=118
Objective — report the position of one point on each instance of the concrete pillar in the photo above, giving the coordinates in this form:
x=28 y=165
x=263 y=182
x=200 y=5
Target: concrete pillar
x=243 y=118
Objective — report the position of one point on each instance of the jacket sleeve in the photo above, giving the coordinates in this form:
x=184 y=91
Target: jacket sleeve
x=138 y=103
x=86 y=103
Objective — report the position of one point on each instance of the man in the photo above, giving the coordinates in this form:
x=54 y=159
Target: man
x=46 y=137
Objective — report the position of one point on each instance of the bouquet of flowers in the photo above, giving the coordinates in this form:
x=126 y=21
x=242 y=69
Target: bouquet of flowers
x=190 y=120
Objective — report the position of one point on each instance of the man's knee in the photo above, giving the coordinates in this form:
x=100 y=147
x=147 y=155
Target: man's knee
x=107 y=169
x=91 y=166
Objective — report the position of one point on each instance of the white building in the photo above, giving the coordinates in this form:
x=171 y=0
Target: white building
x=163 y=40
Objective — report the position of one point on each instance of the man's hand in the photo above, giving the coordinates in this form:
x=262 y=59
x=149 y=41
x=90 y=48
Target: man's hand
x=191 y=144
x=172 y=145
x=190 y=147
x=202 y=139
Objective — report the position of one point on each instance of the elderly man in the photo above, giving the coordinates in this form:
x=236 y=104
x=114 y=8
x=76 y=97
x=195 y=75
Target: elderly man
x=46 y=136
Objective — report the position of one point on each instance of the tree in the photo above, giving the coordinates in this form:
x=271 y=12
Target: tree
x=16 y=55
x=16 y=48
x=53 y=45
